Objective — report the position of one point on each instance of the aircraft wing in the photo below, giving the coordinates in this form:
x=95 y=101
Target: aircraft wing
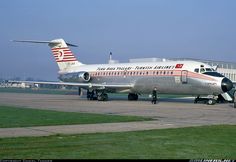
x=81 y=85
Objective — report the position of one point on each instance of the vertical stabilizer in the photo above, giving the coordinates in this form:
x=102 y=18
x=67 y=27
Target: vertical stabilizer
x=64 y=58
x=63 y=55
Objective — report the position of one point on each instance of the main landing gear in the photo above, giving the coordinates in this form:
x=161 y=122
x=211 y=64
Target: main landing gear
x=208 y=101
x=102 y=96
x=95 y=95
x=132 y=97
x=91 y=95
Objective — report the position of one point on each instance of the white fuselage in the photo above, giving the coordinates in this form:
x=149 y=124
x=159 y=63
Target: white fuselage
x=175 y=77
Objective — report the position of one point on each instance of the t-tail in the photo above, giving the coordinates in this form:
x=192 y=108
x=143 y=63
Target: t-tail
x=64 y=57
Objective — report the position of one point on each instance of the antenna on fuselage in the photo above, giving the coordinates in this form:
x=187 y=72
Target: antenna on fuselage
x=110 y=61
x=110 y=56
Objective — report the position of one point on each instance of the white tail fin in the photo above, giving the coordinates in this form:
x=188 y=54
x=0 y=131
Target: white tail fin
x=64 y=57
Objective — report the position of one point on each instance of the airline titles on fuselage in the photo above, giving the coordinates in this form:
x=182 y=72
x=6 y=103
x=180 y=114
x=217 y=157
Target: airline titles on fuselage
x=138 y=68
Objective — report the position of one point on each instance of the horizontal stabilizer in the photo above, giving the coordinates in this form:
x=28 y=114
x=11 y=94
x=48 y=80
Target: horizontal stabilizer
x=64 y=57
x=47 y=42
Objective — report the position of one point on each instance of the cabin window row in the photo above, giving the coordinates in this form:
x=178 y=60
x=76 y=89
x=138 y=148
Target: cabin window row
x=132 y=73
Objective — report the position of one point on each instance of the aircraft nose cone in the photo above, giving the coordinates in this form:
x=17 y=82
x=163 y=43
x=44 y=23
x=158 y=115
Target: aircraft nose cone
x=226 y=85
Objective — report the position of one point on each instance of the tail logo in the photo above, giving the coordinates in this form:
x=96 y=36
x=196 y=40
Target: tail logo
x=63 y=54
x=60 y=55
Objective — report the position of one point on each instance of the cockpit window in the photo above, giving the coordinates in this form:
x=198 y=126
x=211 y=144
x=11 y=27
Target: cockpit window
x=202 y=70
x=215 y=74
x=208 y=69
x=196 y=70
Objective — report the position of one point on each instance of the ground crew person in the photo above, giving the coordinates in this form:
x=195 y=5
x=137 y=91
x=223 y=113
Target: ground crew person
x=154 y=96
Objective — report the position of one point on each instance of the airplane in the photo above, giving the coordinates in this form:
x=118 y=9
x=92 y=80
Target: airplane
x=170 y=77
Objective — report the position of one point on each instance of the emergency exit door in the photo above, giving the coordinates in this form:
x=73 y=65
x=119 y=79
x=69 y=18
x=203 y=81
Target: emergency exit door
x=184 y=76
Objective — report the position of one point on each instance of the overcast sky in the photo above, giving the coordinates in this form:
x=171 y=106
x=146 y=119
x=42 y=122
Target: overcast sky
x=203 y=29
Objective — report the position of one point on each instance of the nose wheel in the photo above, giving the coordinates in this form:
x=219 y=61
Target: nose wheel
x=211 y=102
x=208 y=101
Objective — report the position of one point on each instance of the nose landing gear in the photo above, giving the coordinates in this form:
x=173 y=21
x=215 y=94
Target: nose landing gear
x=208 y=101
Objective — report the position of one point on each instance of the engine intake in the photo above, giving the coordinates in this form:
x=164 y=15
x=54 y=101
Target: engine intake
x=75 y=77
x=84 y=76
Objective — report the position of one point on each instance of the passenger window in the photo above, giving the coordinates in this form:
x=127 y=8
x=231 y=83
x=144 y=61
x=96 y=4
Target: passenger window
x=196 y=70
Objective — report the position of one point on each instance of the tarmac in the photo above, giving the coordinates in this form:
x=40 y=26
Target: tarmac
x=168 y=113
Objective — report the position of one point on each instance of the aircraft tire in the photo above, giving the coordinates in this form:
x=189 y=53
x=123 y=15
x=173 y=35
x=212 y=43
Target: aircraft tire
x=102 y=97
x=211 y=102
x=105 y=97
x=132 y=97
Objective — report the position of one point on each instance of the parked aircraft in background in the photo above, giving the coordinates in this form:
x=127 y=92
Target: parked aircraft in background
x=173 y=77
